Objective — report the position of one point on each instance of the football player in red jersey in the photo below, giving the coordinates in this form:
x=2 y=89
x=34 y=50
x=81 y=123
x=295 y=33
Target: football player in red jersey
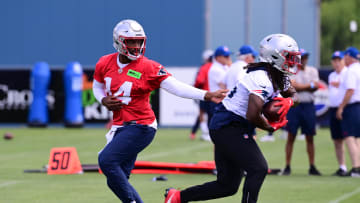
x=123 y=82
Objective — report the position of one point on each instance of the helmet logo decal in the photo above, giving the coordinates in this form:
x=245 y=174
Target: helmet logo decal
x=162 y=71
x=281 y=51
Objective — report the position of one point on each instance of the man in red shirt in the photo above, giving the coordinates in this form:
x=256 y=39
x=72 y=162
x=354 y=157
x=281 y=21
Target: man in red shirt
x=123 y=82
x=202 y=82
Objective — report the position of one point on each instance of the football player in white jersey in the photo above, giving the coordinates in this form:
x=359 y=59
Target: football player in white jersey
x=246 y=55
x=233 y=119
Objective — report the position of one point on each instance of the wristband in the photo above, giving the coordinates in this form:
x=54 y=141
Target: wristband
x=312 y=85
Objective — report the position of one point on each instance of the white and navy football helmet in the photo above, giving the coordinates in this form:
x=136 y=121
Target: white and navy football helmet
x=129 y=30
x=281 y=51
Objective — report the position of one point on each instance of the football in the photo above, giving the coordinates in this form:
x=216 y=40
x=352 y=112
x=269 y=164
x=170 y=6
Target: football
x=270 y=111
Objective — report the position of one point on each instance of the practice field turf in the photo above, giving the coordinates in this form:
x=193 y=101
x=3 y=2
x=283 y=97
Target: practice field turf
x=30 y=149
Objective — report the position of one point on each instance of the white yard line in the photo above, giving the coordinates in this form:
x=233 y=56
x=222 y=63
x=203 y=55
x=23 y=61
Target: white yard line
x=5 y=184
x=345 y=196
x=176 y=151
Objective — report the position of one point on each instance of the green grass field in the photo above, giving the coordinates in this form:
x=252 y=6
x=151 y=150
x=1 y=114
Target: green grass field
x=30 y=149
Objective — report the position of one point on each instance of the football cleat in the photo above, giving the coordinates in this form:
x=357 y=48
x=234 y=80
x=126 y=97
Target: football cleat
x=172 y=196
x=340 y=172
x=355 y=172
x=286 y=171
x=192 y=136
x=313 y=171
x=205 y=137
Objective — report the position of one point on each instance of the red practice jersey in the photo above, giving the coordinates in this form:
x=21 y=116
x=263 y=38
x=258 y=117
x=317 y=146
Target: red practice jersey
x=201 y=80
x=132 y=85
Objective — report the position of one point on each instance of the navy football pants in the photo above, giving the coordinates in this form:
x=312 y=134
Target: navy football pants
x=118 y=158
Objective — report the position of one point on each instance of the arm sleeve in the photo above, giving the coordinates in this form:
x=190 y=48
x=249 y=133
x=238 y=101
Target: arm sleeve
x=181 y=89
x=99 y=90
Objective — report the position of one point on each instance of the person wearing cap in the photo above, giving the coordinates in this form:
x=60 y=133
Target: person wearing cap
x=246 y=55
x=336 y=79
x=201 y=82
x=220 y=66
x=349 y=109
x=237 y=70
x=303 y=115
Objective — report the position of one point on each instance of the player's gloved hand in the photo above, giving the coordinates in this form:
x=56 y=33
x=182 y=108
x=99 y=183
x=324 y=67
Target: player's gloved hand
x=112 y=103
x=278 y=124
x=285 y=104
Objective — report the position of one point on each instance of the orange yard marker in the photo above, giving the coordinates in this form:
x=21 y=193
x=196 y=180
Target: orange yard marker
x=64 y=160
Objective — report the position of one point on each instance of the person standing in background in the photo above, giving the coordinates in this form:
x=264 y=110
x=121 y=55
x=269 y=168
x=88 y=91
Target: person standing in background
x=246 y=55
x=220 y=66
x=237 y=70
x=202 y=82
x=336 y=79
x=349 y=109
x=303 y=115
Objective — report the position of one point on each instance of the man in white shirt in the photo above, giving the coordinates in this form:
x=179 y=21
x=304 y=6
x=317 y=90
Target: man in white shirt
x=349 y=109
x=246 y=55
x=219 y=68
x=335 y=80
x=217 y=72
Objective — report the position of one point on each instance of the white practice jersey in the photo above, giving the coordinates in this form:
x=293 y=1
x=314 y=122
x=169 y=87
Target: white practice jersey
x=336 y=90
x=216 y=75
x=254 y=82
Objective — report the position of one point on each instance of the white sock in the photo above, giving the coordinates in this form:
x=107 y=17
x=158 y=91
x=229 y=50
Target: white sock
x=343 y=167
x=204 y=128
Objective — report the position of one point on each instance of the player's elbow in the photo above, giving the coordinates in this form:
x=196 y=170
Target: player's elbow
x=252 y=116
x=350 y=92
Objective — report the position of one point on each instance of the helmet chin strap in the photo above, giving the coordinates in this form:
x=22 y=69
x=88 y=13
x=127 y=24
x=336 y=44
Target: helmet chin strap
x=131 y=57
